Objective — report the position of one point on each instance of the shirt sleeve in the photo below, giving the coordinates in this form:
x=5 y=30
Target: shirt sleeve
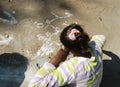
x=49 y=76
x=99 y=40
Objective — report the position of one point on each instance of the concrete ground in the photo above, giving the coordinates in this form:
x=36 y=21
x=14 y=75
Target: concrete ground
x=31 y=32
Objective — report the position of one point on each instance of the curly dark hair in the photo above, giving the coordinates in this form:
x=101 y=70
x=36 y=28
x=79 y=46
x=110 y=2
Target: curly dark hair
x=81 y=42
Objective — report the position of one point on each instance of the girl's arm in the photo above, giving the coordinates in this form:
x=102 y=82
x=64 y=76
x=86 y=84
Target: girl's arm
x=54 y=75
x=60 y=56
x=99 y=39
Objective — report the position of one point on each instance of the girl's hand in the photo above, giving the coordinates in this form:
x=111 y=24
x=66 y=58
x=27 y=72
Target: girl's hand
x=59 y=57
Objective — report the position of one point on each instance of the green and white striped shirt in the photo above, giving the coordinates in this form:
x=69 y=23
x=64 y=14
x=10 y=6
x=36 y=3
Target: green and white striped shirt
x=75 y=72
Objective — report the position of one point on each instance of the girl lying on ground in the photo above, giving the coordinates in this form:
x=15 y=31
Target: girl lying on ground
x=84 y=69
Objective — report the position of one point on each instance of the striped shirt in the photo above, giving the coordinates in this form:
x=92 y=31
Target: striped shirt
x=75 y=72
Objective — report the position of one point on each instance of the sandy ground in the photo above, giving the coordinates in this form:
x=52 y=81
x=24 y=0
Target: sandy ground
x=35 y=35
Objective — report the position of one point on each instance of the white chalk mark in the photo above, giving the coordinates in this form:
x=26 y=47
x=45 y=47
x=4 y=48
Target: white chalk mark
x=46 y=49
x=39 y=25
x=67 y=14
x=49 y=22
x=57 y=30
x=65 y=23
x=55 y=15
x=5 y=41
x=49 y=45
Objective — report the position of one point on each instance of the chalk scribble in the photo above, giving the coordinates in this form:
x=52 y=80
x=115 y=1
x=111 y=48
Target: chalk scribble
x=48 y=44
x=48 y=23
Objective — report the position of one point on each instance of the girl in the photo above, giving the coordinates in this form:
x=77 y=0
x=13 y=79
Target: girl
x=84 y=69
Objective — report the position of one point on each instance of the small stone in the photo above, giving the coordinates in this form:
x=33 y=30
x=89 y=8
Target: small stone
x=6 y=35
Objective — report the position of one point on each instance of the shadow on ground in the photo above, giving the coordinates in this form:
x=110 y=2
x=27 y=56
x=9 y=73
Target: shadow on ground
x=111 y=70
x=12 y=69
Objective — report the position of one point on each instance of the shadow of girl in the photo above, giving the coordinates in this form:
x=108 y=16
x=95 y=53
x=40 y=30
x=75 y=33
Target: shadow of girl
x=12 y=69
x=111 y=70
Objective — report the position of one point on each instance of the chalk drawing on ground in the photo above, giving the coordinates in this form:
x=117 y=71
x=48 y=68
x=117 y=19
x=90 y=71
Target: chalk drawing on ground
x=48 y=44
x=65 y=23
x=39 y=25
x=48 y=23
x=5 y=39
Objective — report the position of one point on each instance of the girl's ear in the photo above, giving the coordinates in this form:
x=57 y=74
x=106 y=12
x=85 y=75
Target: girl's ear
x=66 y=49
x=89 y=38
